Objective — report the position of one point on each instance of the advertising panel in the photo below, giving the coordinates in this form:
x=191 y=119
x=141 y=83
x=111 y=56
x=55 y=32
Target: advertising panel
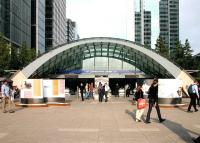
x=54 y=88
x=169 y=88
x=32 y=88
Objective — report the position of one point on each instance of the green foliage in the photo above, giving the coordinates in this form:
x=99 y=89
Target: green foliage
x=13 y=57
x=14 y=63
x=183 y=55
x=26 y=55
x=178 y=54
x=147 y=47
x=187 y=49
x=160 y=48
x=5 y=55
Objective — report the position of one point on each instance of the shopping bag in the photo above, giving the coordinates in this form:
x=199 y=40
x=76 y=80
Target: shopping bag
x=141 y=103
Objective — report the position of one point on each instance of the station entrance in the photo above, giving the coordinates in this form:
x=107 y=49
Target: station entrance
x=115 y=84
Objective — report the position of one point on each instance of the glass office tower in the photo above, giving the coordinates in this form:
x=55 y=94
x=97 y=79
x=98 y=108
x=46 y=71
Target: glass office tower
x=15 y=21
x=38 y=25
x=142 y=25
x=169 y=22
x=55 y=23
x=71 y=31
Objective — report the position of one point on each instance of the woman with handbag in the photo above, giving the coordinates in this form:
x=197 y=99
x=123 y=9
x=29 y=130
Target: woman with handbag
x=141 y=103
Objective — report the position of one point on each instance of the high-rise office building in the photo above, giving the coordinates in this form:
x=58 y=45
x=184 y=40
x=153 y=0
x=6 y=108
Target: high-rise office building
x=71 y=31
x=38 y=25
x=55 y=23
x=15 y=21
x=169 y=22
x=143 y=26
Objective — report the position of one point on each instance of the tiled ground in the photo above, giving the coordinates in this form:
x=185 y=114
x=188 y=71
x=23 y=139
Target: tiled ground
x=93 y=122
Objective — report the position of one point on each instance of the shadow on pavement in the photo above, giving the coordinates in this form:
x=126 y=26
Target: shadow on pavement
x=179 y=130
x=176 y=128
x=132 y=114
x=19 y=109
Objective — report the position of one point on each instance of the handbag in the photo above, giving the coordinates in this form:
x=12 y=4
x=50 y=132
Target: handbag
x=141 y=103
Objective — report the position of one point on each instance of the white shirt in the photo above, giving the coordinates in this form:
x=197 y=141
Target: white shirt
x=5 y=90
x=195 y=89
x=107 y=88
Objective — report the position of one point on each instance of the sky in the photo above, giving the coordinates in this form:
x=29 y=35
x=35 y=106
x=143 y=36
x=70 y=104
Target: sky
x=114 y=18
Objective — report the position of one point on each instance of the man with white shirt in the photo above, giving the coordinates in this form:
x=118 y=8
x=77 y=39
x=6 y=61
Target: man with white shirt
x=5 y=91
x=194 y=94
x=107 y=89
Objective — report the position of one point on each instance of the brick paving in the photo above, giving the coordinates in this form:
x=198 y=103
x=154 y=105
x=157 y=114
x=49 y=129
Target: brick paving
x=94 y=122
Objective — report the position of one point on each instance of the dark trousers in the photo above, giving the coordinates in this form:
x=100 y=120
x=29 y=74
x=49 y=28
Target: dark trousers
x=198 y=101
x=127 y=93
x=197 y=140
x=100 y=97
x=106 y=96
x=192 y=101
x=82 y=96
x=152 y=102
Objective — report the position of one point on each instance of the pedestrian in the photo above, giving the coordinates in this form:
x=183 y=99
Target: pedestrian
x=87 y=90
x=5 y=91
x=82 y=89
x=196 y=140
x=138 y=95
x=117 y=90
x=12 y=98
x=198 y=99
x=194 y=94
x=100 y=87
x=107 y=89
x=91 y=88
x=153 y=101
x=128 y=90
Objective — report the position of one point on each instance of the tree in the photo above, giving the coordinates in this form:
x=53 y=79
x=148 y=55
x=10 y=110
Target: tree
x=15 y=61
x=178 y=54
x=5 y=55
x=147 y=47
x=26 y=55
x=160 y=48
x=187 y=55
x=187 y=49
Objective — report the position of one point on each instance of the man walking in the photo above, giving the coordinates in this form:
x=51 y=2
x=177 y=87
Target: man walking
x=153 y=100
x=5 y=90
x=194 y=94
x=81 y=89
x=107 y=88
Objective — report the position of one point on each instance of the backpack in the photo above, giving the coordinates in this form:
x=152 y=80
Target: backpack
x=190 y=90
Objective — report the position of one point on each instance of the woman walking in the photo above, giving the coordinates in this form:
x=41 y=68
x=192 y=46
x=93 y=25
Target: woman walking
x=139 y=95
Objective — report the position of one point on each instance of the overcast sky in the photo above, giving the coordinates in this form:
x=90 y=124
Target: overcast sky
x=113 y=18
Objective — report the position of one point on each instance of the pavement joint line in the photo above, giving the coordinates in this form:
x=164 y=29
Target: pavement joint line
x=139 y=130
x=77 y=130
x=97 y=130
x=3 y=135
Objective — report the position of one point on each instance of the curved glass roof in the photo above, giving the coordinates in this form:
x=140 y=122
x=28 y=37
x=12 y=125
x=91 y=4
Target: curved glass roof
x=71 y=58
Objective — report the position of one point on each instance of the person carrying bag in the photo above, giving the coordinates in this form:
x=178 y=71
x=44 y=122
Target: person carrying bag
x=141 y=103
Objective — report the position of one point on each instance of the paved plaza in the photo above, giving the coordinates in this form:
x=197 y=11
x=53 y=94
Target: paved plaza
x=93 y=122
